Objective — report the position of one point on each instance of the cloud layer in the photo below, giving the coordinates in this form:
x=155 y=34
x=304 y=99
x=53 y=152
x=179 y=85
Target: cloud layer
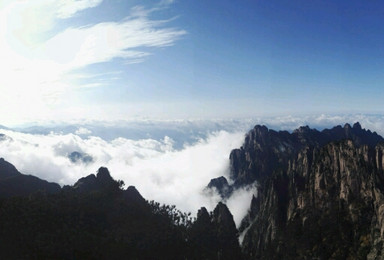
x=159 y=171
x=147 y=156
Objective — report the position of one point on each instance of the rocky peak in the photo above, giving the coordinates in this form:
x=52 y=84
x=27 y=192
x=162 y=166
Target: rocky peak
x=103 y=175
x=222 y=216
x=265 y=150
x=218 y=183
x=319 y=196
x=302 y=129
x=347 y=126
x=87 y=183
x=261 y=130
x=93 y=182
x=202 y=213
x=357 y=126
x=221 y=185
x=133 y=195
x=227 y=234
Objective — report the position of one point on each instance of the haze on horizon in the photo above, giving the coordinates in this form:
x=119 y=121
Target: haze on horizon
x=113 y=60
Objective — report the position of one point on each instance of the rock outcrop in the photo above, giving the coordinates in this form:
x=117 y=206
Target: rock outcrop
x=221 y=185
x=320 y=194
x=215 y=234
x=265 y=150
x=92 y=182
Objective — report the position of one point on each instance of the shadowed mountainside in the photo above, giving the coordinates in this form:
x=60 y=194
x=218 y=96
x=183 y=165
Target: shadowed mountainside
x=320 y=194
x=13 y=183
x=97 y=219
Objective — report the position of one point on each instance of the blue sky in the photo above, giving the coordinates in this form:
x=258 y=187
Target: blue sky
x=109 y=60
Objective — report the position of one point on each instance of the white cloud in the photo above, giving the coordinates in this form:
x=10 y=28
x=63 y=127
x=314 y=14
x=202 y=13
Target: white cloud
x=240 y=201
x=79 y=47
x=68 y=8
x=38 y=57
x=83 y=131
x=159 y=171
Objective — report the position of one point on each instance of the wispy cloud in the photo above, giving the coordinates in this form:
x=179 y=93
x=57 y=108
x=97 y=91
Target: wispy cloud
x=68 y=8
x=40 y=48
x=103 y=42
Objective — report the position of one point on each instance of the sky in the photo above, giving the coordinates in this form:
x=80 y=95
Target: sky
x=170 y=59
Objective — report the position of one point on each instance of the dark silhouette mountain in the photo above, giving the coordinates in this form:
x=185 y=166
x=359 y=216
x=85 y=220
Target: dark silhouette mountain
x=215 y=235
x=13 y=183
x=320 y=193
x=97 y=219
x=102 y=180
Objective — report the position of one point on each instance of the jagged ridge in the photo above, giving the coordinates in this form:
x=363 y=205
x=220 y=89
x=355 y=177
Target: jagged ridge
x=320 y=194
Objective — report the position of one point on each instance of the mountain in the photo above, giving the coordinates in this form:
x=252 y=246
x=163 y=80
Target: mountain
x=320 y=194
x=215 y=235
x=97 y=219
x=13 y=183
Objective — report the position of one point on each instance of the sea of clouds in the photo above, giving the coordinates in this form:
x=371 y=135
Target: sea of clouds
x=168 y=161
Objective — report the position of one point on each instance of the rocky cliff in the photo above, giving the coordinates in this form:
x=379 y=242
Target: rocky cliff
x=320 y=194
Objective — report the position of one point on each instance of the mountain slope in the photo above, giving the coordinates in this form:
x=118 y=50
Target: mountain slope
x=320 y=194
x=97 y=219
x=13 y=183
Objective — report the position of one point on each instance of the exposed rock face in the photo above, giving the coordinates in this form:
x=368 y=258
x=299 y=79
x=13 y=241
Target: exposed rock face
x=320 y=194
x=226 y=233
x=216 y=231
x=221 y=185
x=13 y=183
x=265 y=150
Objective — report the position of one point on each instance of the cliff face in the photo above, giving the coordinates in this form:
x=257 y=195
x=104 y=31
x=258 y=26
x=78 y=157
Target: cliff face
x=215 y=235
x=320 y=194
x=265 y=150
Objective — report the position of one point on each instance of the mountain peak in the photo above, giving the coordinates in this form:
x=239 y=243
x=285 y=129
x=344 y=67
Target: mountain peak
x=133 y=195
x=221 y=185
x=94 y=182
x=221 y=214
x=302 y=129
x=202 y=213
x=103 y=176
x=7 y=169
x=357 y=126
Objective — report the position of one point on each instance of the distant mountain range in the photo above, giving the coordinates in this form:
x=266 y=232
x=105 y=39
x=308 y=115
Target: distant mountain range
x=320 y=195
